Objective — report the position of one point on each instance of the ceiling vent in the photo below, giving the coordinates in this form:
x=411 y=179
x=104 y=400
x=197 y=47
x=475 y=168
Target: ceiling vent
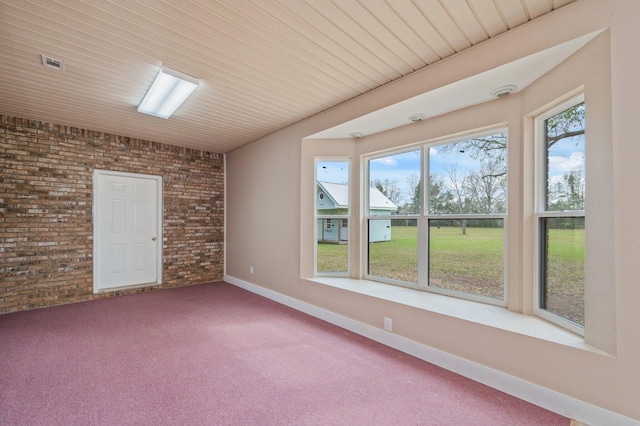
x=56 y=64
x=417 y=117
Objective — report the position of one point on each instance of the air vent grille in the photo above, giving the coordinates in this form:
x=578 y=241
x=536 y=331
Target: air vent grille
x=55 y=64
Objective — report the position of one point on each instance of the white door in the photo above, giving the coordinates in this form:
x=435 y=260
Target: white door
x=127 y=237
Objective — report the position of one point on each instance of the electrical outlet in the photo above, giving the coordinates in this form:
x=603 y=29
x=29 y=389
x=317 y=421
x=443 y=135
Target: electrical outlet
x=388 y=324
x=251 y=269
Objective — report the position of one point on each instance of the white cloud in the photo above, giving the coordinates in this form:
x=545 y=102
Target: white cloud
x=387 y=161
x=559 y=165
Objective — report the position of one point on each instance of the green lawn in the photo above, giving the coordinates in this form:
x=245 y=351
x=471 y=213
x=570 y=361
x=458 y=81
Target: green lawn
x=471 y=263
x=332 y=257
x=565 y=274
x=398 y=258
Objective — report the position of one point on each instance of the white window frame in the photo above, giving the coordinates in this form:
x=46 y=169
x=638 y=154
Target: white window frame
x=327 y=218
x=424 y=216
x=541 y=211
x=367 y=216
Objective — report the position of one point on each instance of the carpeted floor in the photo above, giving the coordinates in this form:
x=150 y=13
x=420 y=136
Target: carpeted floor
x=214 y=354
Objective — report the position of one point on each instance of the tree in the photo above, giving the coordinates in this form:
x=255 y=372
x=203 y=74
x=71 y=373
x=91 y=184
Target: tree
x=485 y=148
x=567 y=124
x=464 y=193
x=414 y=189
x=490 y=188
x=440 y=197
x=484 y=190
x=568 y=193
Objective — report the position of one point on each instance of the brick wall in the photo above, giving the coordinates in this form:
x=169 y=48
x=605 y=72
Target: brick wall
x=46 y=228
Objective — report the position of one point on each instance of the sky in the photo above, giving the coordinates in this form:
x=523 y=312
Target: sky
x=401 y=167
x=565 y=156
x=332 y=171
x=398 y=167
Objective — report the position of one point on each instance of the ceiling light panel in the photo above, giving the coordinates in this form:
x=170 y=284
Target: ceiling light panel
x=167 y=92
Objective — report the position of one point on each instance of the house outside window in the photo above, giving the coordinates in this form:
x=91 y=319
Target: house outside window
x=332 y=217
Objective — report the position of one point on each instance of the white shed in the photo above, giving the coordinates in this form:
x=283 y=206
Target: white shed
x=333 y=199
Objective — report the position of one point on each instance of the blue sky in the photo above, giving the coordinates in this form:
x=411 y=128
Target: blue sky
x=565 y=156
x=332 y=171
x=398 y=167
x=401 y=167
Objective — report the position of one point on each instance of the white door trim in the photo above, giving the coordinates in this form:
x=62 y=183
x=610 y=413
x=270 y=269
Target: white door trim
x=96 y=219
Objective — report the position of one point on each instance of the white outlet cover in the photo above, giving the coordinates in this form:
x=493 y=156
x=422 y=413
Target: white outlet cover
x=388 y=324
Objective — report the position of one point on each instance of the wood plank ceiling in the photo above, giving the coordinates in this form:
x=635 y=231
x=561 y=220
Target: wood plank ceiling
x=262 y=64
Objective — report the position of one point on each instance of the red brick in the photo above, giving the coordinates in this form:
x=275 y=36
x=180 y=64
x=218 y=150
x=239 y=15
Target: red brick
x=46 y=207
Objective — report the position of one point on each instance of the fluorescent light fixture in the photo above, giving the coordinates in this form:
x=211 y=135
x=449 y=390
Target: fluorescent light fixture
x=166 y=94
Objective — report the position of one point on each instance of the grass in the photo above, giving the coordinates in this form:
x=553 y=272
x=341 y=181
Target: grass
x=565 y=274
x=472 y=263
x=332 y=257
x=398 y=258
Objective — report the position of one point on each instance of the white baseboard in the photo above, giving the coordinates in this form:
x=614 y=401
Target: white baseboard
x=564 y=405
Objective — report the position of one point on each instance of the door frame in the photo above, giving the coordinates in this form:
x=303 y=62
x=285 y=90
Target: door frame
x=96 y=218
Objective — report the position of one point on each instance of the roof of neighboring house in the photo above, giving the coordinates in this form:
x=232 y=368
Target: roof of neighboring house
x=339 y=194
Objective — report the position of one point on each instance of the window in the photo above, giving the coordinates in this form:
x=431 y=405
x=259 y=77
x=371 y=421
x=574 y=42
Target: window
x=394 y=193
x=453 y=241
x=434 y=217
x=561 y=214
x=332 y=211
x=467 y=210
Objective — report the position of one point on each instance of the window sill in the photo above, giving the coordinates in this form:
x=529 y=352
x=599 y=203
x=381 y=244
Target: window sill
x=479 y=313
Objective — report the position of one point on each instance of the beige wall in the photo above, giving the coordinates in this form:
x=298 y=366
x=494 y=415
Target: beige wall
x=270 y=208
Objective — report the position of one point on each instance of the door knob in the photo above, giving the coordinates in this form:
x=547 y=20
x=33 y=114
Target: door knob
x=153 y=238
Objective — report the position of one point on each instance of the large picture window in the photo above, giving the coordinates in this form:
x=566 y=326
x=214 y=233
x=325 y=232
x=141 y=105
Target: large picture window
x=447 y=236
x=561 y=213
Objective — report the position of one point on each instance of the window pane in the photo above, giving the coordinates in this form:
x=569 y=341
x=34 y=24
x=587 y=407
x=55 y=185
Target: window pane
x=332 y=189
x=332 y=223
x=563 y=273
x=394 y=183
x=564 y=140
x=333 y=247
x=393 y=249
x=467 y=255
x=469 y=176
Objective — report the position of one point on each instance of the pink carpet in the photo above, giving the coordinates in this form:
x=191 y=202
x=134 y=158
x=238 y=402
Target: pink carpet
x=215 y=354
